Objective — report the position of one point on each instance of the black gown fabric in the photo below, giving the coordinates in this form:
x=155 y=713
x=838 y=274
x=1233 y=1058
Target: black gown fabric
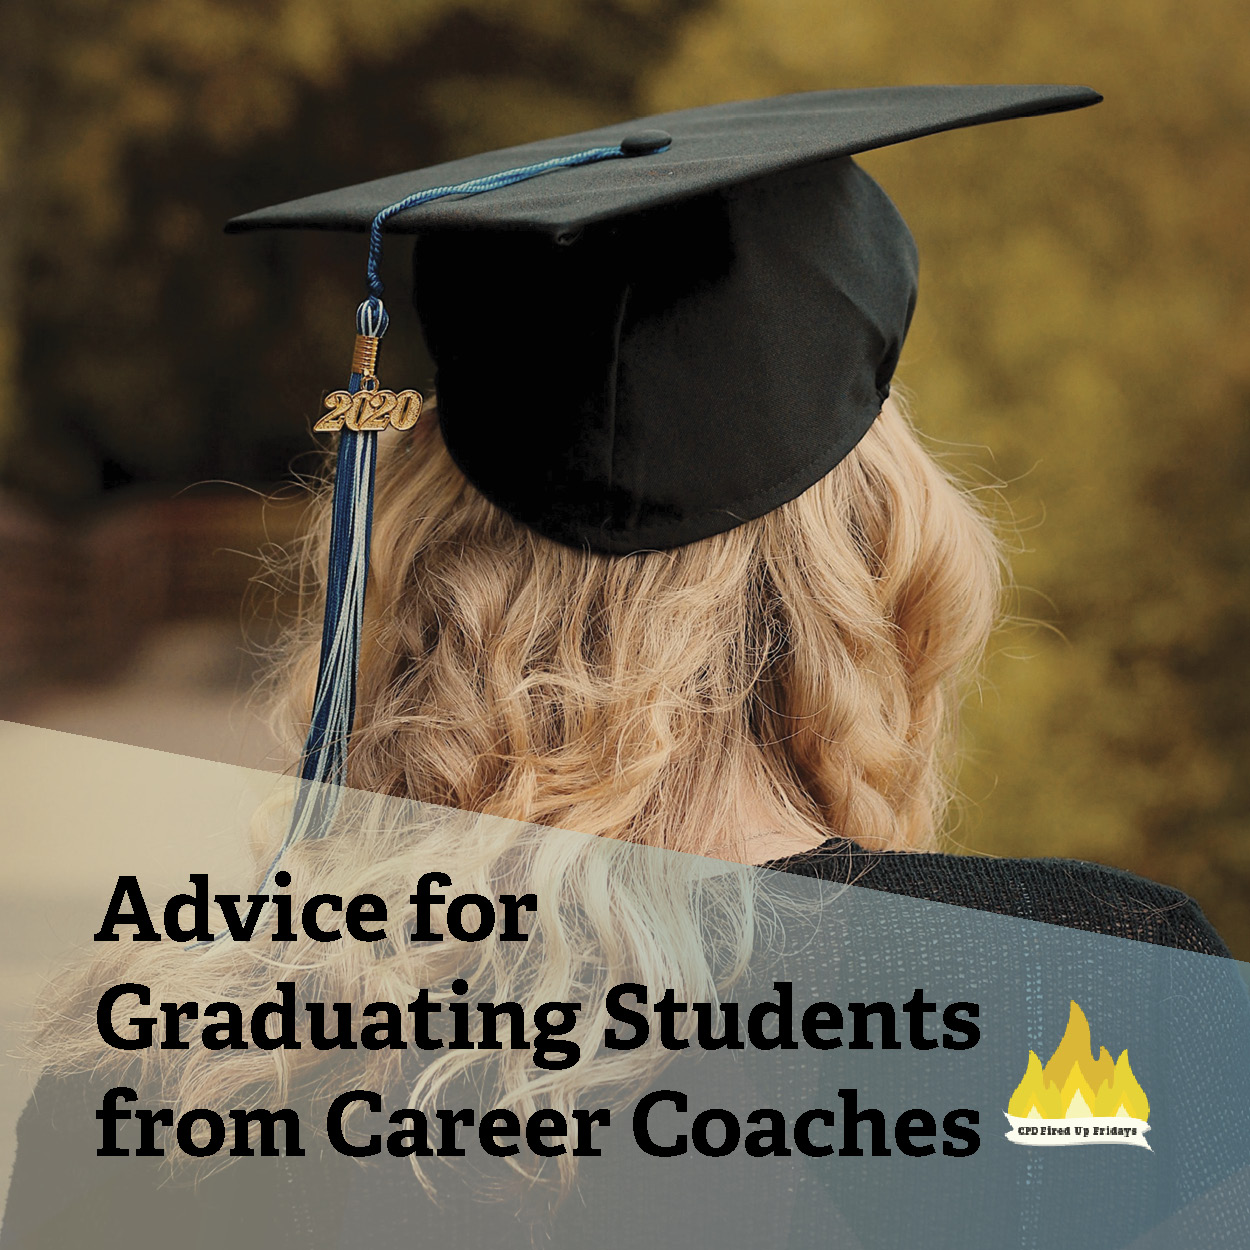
x=282 y=1202
x=1067 y=892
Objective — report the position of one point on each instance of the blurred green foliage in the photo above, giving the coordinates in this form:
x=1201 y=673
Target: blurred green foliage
x=1082 y=335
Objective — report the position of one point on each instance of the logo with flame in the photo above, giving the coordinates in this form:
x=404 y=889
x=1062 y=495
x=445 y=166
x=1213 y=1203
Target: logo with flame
x=1076 y=1099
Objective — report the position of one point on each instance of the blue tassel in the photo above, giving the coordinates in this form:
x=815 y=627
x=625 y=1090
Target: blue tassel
x=347 y=578
x=334 y=705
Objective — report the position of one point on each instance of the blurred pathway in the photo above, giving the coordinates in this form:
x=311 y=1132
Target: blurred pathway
x=189 y=692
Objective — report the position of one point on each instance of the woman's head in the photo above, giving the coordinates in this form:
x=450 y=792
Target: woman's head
x=805 y=662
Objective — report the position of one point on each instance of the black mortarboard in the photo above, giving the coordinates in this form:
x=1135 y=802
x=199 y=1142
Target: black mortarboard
x=644 y=334
x=642 y=352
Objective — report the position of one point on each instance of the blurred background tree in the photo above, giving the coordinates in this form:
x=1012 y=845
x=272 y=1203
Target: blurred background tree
x=162 y=351
x=1081 y=338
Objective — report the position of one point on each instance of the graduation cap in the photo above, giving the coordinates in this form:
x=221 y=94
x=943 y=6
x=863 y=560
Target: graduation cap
x=644 y=334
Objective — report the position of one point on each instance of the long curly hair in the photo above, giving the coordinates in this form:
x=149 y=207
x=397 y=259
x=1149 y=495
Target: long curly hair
x=812 y=656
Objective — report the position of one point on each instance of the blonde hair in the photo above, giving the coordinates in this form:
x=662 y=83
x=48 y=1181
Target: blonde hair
x=811 y=656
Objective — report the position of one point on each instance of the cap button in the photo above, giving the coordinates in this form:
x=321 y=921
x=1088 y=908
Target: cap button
x=644 y=142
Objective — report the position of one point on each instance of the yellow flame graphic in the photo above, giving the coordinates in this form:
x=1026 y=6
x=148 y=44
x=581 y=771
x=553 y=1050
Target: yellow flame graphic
x=1074 y=1084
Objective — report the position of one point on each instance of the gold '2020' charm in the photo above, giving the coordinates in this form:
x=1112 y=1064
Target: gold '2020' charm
x=370 y=410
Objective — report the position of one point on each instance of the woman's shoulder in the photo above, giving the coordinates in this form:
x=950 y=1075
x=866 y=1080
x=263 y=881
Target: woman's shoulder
x=1068 y=892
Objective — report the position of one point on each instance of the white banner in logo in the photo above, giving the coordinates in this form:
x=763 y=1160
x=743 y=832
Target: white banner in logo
x=1089 y=1130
